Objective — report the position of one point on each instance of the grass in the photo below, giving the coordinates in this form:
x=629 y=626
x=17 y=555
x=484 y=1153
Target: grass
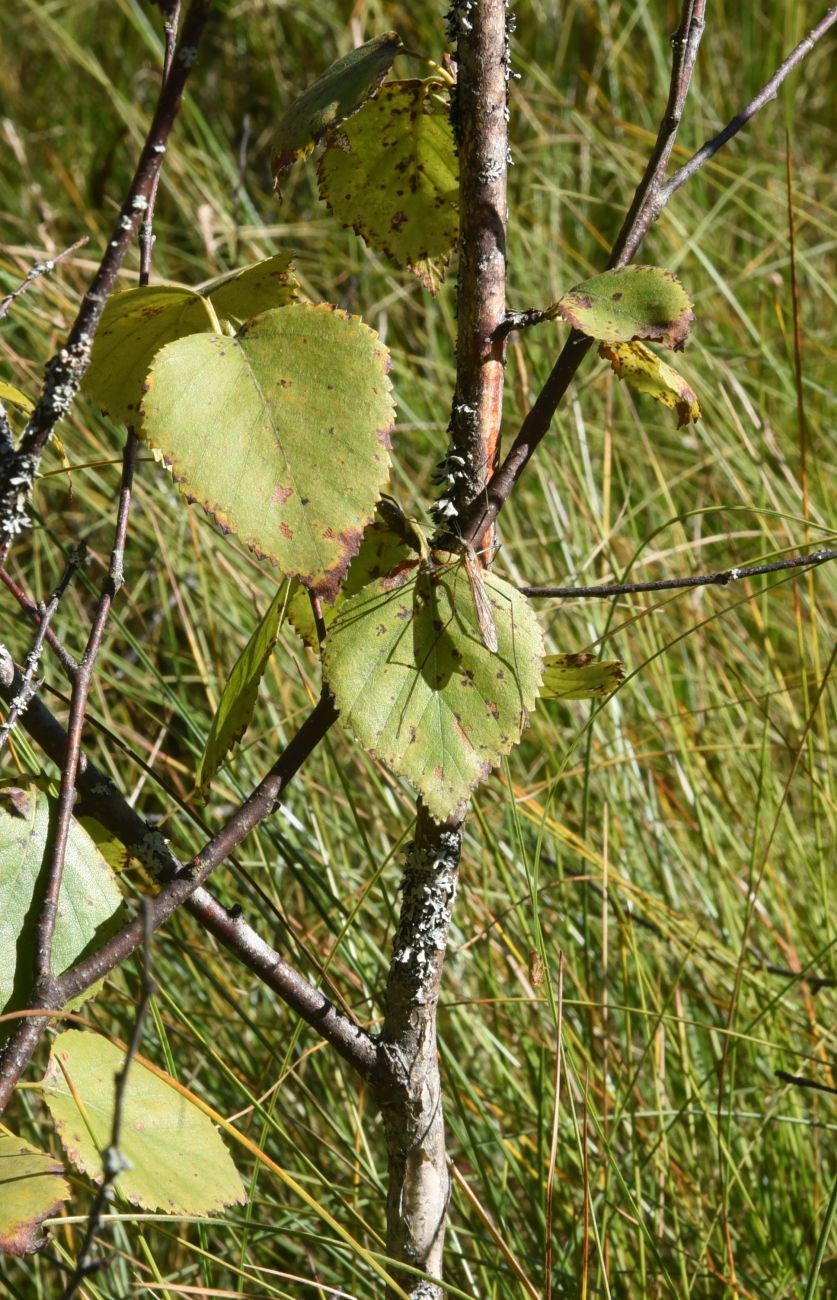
x=672 y=851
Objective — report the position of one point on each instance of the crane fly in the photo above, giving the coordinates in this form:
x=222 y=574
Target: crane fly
x=482 y=605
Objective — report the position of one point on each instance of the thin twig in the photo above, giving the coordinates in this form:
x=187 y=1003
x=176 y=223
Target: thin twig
x=46 y=612
x=764 y=96
x=721 y=579
x=113 y=1162
x=146 y=234
x=799 y=1081
x=66 y=368
x=35 y=612
x=537 y=422
x=40 y=268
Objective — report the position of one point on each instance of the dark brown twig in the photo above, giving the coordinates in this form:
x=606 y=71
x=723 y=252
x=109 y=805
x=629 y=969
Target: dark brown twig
x=65 y=370
x=764 y=96
x=146 y=234
x=721 y=579
x=799 y=1081
x=113 y=1162
x=650 y=199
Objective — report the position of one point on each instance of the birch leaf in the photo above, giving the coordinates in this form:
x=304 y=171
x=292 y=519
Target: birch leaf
x=392 y=175
x=635 y=302
x=579 y=677
x=333 y=97
x=31 y=1189
x=280 y=433
x=648 y=373
x=418 y=688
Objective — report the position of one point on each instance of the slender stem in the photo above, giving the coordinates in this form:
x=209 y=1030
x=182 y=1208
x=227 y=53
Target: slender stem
x=180 y=888
x=66 y=368
x=40 y=268
x=647 y=208
x=720 y=579
x=82 y=680
x=146 y=234
x=764 y=96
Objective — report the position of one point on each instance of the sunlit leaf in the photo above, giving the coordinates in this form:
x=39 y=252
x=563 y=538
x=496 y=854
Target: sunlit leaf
x=392 y=174
x=579 y=677
x=281 y=433
x=135 y=324
x=636 y=302
x=648 y=373
x=89 y=903
x=257 y=288
x=332 y=98
x=238 y=698
x=31 y=1189
x=419 y=689
x=178 y=1162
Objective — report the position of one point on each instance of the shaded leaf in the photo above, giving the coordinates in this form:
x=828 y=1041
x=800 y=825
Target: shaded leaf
x=579 y=677
x=257 y=288
x=381 y=550
x=647 y=373
x=31 y=1189
x=238 y=698
x=332 y=98
x=392 y=175
x=414 y=682
x=178 y=1162
x=88 y=906
x=281 y=433
x=14 y=397
x=636 y=302
x=135 y=324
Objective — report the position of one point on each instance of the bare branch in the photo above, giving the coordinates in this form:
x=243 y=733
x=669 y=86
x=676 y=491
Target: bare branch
x=764 y=96
x=40 y=268
x=538 y=420
x=720 y=579
x=65 y=370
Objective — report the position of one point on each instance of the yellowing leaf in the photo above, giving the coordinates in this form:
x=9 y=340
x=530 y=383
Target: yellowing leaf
x=648 y=373
x=635 y=302
x=332 y=98
x=31 y=1190
x=281 y=433
x=406 y=661
x=579 y=677
x=134 y=326
x=178 y=1163
x=392 y=175
x=257 y=288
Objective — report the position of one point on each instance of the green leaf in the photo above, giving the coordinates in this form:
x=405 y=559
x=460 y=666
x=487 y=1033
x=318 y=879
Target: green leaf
x=281 y=433
x=636 y=302
x=14 y=397
x=88 y=906
x=414 y=682
x=647 y=373
x=135 y=325
x=238 y=698
x=380 y=551
x=580 y=677
x=257 y=288
x=392 y=175
x=178 y=1162
x=332 y=98
x=31 y=1190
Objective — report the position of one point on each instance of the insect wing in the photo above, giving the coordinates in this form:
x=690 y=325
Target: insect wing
x=482 y=605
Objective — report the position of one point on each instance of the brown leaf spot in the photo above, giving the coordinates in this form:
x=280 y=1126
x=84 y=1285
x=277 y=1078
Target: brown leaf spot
x=280 y=495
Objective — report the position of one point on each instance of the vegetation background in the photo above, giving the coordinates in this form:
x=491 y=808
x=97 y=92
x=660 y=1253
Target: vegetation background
x=676 y=846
